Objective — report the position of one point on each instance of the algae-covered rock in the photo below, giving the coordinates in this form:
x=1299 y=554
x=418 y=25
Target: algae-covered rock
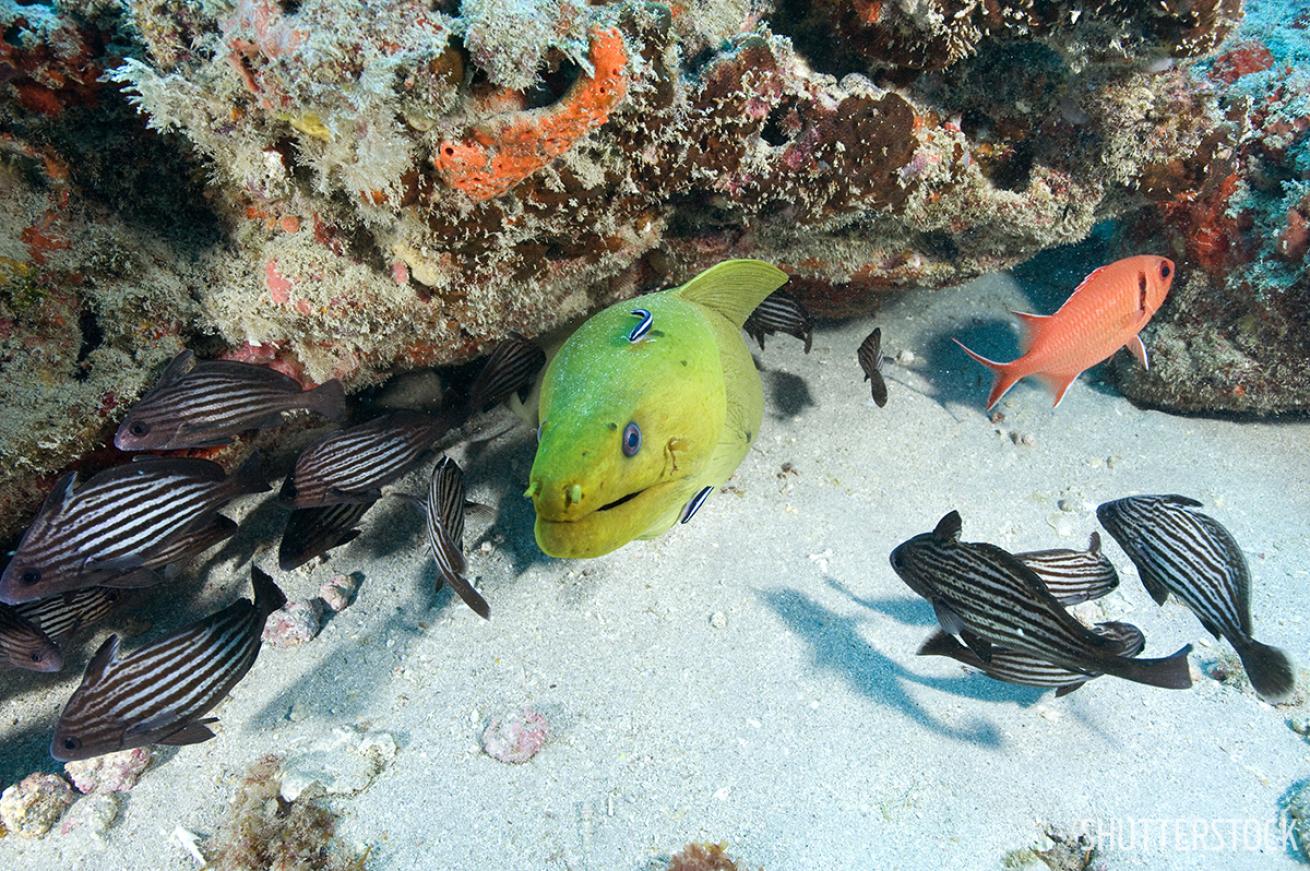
x=32 y=806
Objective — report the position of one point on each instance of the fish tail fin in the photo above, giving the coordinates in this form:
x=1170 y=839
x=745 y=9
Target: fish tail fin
x=268 y=596
x=1170 y=673
x=1058 y=383
x=249 y=476
x=327 y=400
x=1269 y=669
x=1007 y=374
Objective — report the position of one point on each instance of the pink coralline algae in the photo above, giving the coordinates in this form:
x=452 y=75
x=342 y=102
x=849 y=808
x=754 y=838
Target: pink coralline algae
x=294 y=624
x=112 y=772
x=515 y=737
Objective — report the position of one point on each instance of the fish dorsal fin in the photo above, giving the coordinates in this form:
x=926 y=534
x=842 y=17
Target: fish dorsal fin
x=948 y=528
x=734 y=288
x=179 y=366
x=56 y=501
x=1033 y=327
x=99 y=664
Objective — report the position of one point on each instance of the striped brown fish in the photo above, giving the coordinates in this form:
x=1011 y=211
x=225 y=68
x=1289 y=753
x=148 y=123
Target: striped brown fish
x=780 y=312
x=445 y=522
x=1023 y=668
x=199 y=404
x=1179 y=550
x=62 y=616
x=157 y=694
x=353 y=464
x=312 y=532
x=870 y=356
x=112 y=530
x=510 y=369
x=986 y=597
x=23 y=644
x=1074 y=576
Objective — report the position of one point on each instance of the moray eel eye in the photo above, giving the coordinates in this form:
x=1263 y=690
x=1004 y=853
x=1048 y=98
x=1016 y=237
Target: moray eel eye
x=631 y=440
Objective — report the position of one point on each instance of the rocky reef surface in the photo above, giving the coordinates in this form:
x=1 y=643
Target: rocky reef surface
x=1236 y=334
x=353 y=189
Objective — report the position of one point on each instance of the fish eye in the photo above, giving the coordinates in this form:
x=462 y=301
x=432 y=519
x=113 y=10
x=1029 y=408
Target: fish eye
x=36 y=657
x=1164 y=270
x=631 y=439
x=31 y=576
x=71 y=743
x=139 y=428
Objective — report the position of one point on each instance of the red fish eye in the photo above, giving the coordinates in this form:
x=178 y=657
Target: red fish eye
x=1164 y=270
x=631 y=439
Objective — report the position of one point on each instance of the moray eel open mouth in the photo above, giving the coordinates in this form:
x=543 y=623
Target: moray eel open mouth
x=610 y=526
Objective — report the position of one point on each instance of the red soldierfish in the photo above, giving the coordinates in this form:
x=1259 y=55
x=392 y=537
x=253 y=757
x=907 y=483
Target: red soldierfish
x=1105 y=313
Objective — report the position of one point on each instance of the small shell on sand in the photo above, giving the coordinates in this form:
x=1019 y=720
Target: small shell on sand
x=339 y=592
x=112 y=772
x=30 y=807
x=294 y=624
x=515 y=737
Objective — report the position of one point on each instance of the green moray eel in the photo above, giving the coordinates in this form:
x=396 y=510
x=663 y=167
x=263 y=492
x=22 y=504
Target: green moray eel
x=634 y=429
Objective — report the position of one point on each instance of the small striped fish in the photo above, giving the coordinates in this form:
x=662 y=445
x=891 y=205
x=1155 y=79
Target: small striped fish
x=158 y=693
x=780 y=312
x=61 y=616
x=1023 y=668
x=23 y=644
x=870 y=356
x=987 y=597
x=107 y=531
x=204 y=404
x=1074 y=576
x=312 y=532
x=511 y=368
x=1179 y=550
x=445 y=514
x=353 y=464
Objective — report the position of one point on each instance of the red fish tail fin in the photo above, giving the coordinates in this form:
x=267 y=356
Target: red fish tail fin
x=1007 y=374
x=1058 y=383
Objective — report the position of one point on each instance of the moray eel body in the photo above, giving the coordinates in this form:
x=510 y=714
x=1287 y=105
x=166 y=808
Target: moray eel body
x=647 y=407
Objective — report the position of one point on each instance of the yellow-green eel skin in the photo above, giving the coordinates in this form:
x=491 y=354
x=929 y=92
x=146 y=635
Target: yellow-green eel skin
x=691 y=388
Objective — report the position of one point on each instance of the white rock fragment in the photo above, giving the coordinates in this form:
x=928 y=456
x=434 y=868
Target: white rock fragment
x=190 y=842
x=339 y=592
x=515 y=737
x=32 y=806
x=905 y=357
x=112 y=772
x=345 y=763
x=294 y=624
x=94 y=814
x=718 y=620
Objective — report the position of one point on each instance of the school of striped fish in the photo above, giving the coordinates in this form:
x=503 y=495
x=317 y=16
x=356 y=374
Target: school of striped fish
x=121 y=534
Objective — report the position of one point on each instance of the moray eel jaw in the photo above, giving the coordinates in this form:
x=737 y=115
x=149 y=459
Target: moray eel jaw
x=608 y=528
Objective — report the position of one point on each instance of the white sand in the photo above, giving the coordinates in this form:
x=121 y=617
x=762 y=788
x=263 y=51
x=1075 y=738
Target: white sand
x=804 y=732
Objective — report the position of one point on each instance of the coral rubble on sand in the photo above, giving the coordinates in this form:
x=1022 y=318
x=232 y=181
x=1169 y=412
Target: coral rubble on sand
x=1234 y=336
x=34 y=804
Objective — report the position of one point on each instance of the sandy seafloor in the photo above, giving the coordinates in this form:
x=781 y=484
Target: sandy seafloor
x=805 y=732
